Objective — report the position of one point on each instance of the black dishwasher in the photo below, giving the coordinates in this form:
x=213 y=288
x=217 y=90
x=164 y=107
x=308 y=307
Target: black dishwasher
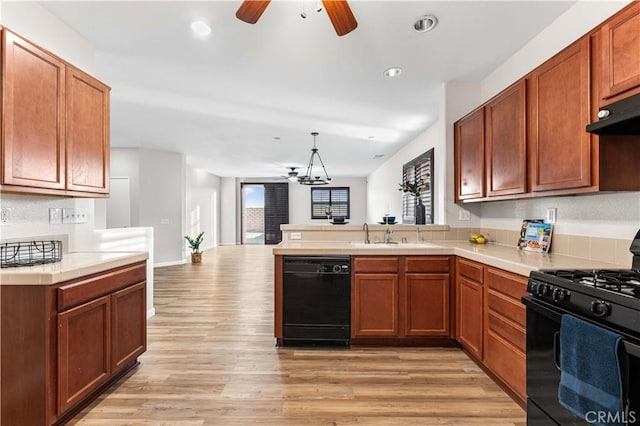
x=316 y=300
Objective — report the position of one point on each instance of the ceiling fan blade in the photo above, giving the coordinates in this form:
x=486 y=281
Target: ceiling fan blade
x=341 y=16
x=251 y=10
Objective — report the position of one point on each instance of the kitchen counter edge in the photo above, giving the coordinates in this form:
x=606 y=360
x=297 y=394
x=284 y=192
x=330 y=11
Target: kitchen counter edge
x=73 y=265
x=499 y=256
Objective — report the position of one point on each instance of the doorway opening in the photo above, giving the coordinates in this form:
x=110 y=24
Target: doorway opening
x=252 y=214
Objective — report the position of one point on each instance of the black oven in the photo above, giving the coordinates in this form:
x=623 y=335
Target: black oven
x=543 y=372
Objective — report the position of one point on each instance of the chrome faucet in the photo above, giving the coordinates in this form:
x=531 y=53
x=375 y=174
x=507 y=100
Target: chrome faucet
x=387 y=235
x=365 y=227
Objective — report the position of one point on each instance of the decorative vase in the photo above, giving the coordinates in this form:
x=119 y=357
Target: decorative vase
x=420 y=212
x=196 y=257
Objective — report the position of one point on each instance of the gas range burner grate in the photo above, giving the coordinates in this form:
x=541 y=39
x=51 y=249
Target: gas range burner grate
x=623 y=282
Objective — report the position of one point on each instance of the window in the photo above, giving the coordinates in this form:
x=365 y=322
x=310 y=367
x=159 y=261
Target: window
x=419 y=167
x=337 y=199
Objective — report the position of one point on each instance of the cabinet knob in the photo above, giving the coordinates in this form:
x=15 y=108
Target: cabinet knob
x=603 y=113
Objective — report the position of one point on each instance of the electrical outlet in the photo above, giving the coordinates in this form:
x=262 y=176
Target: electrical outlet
x=55 y=216
x=296 y=235
x=79 y=215
x=164 y=221
x=464 y=214
x=552 y=213
x=5 y=216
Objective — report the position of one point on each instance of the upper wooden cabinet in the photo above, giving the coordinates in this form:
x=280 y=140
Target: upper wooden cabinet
x=87 y=133
x=469 y=156
x=560 y=148
x=506 y=142
x=33 y=119
x=621 y=53
x=55 y=124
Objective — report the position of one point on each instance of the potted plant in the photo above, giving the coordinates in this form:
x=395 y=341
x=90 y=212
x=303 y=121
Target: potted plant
x=415 y=188
x=194 y=245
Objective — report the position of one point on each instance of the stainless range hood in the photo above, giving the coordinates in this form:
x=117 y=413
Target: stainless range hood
x=618 y=118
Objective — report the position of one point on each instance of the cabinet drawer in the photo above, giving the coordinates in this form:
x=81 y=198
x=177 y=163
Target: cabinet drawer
x=507 y=307
x=81 y=291
x=510 y=331
x=511 y=285
x=381 y=264
x=427 y=264
x=471 y=270
x=507 y=362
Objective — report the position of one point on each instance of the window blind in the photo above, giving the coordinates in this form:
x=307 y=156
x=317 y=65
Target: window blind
x=337 y=199
x=420 y=167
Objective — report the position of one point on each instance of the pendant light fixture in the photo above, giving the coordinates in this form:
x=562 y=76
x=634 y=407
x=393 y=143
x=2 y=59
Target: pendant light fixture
x=309 y=178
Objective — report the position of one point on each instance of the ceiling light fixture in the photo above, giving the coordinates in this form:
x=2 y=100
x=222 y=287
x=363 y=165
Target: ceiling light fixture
x=309 y=178
x=393 y=72
x=425 y=23
x=201 y=28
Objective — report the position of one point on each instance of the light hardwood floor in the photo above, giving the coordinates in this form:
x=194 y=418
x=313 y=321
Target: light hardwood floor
x=211 y=360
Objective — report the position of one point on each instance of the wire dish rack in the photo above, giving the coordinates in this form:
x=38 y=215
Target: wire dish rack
x=29 y=253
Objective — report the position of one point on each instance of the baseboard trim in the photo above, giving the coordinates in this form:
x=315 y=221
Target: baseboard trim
x=151 y=312
x=173 y=263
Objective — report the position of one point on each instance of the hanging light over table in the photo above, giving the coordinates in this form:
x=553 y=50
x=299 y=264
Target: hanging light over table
x=309 y=178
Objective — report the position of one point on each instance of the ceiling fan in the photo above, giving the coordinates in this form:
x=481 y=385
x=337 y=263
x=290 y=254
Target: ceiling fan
x=292 y=176
x=338 y=10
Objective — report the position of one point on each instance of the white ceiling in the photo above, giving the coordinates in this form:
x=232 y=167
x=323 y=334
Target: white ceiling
x=222 y=100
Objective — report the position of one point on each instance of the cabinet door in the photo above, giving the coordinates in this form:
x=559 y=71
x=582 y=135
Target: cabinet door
x=374 y=310
x=128 y=325
x=469 y=156
x=87 y=133
x=427 y=305
x=621 y=52
x=84 y=351
x=469 y=318
x=33 y=116
x=560 y=147
x=506 y=142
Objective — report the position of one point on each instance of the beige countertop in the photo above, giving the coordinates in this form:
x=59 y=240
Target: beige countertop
x=73 y=265
x=500 y=256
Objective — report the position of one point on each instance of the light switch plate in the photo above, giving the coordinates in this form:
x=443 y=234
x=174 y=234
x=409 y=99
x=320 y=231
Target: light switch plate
x=552 y=213
x=55 y=215
x=164 y=221
x=296 y=235
x=464 y=214
x=71 y=215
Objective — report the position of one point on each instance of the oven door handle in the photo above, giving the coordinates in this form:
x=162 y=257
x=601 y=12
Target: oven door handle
x=631 y=348
x=556 y=349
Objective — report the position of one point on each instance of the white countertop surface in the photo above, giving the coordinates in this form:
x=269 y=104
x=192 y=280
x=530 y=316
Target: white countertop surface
x=504 y=257
x=73 y=265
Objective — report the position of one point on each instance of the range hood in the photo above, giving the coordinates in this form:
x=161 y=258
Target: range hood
x=618 y=118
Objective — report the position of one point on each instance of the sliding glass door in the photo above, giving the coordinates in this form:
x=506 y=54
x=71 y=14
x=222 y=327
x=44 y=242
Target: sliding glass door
x=264 y=208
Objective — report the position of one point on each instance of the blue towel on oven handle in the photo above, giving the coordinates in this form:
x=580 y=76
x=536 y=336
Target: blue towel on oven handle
x=590 y=378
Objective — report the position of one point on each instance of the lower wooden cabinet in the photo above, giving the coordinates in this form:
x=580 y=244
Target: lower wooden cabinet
x=400 y=297
x=470 y=306
x=505 y=328
x=74 y=339
x=427 y=305
x=84 y=356
x=374 y=305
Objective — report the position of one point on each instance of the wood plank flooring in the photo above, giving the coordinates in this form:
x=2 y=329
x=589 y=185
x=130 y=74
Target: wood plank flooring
x=211 y=360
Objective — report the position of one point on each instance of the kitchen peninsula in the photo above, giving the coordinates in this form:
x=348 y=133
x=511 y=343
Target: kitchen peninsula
x=426 y=292
x=69 y=330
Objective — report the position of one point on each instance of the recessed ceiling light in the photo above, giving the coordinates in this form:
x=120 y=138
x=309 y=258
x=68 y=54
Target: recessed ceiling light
x=276 y=138
x=378 y=156
x=393 y=72
x=425 y=23
x=371 y=137
x=201 y=28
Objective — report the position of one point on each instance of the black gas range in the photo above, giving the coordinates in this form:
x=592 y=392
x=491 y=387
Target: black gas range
x=608 y=296
x=609 y=299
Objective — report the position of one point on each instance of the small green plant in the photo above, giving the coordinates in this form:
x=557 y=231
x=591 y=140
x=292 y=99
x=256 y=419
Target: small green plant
x=194 y=243
x=415 y=188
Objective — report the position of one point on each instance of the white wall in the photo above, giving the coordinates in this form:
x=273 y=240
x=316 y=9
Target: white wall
x=34 y=22
x=300 y=200
x=229 y=216
x=203 y=206
x=158 y=197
